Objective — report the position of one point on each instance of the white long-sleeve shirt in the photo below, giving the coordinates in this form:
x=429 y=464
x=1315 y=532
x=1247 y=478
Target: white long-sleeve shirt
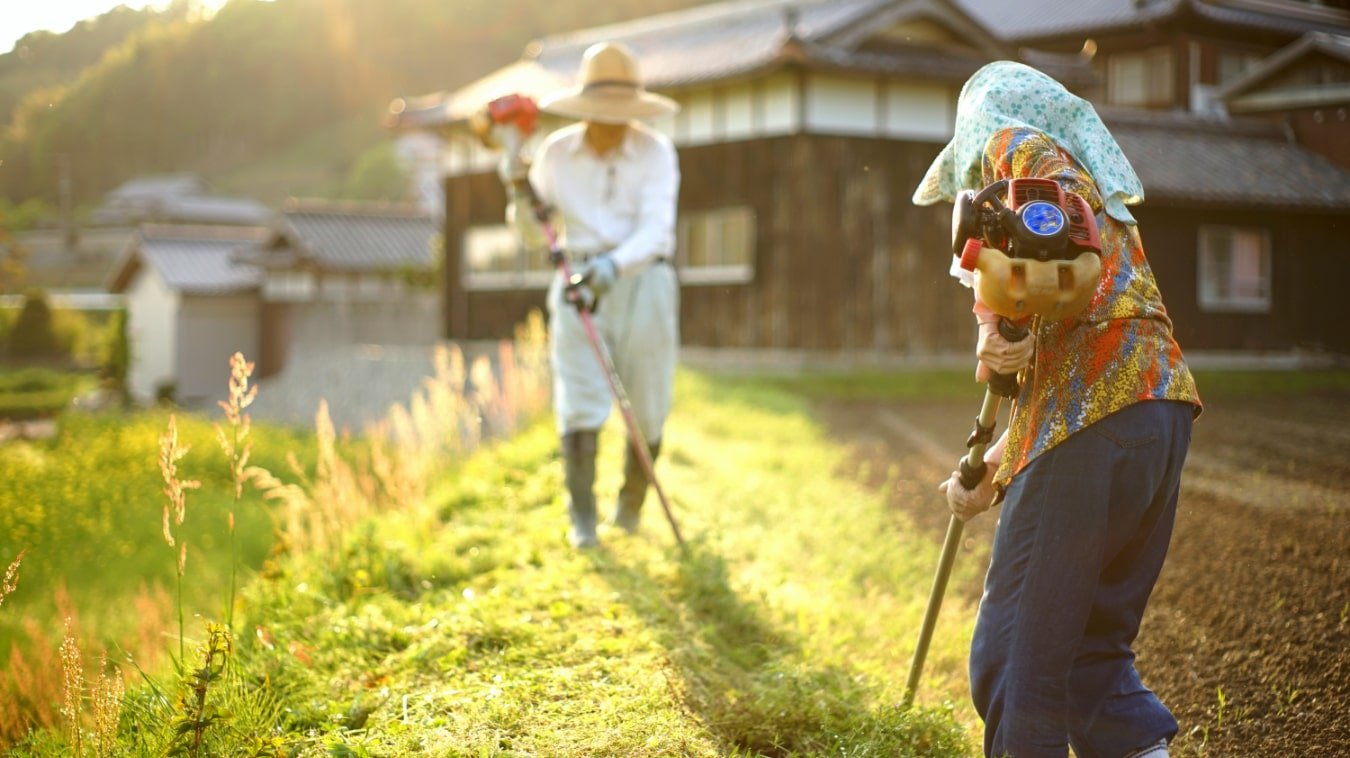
x=622 y=202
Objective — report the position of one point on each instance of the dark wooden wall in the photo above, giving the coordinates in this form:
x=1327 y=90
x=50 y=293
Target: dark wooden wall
x=1310 y=257
x=478 y=314
x=844 y=260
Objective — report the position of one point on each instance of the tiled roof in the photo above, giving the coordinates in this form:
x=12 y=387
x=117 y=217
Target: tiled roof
x=717 y=42
x=709 y=42
x=168 y=185
x=730 y=40
x=1028 y=20
x=176 y=199
x=1182 y=160
x=1333 y=45
x=192 y=260
x=355 y=237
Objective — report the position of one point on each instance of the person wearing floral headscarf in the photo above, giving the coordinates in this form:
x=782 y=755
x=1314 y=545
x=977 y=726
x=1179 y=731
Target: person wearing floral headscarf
x=1090 y=466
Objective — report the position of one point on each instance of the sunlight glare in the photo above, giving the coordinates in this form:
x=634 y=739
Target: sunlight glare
x=20 y=18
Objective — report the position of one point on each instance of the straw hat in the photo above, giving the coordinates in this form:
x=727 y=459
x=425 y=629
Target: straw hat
x=609 y=90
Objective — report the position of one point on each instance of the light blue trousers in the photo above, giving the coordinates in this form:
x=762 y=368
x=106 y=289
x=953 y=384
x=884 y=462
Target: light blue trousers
x=638 y=321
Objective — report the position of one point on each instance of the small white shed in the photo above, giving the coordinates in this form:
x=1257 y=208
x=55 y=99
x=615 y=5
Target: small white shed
x=189 y=308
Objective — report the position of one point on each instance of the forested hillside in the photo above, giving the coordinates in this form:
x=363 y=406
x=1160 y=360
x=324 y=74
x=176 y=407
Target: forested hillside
x=136 y=92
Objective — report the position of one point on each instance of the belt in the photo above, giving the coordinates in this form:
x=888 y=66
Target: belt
x=587 y=257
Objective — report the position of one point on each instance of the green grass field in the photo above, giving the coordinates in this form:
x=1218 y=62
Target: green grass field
x=87 y=507
x=463 y=623
x=467 y=626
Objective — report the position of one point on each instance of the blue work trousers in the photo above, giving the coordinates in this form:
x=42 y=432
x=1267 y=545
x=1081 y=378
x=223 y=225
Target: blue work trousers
x=1079 y=545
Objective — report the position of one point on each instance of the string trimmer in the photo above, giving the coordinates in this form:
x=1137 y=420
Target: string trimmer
x=1050 y=269
x=506 y=123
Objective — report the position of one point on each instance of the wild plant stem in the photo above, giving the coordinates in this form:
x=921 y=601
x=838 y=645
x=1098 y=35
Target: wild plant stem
x=234 y=569
x=182 y=660
x=234 y=550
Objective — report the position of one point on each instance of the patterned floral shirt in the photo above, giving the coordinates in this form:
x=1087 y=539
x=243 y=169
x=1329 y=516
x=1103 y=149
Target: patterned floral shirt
x=1117 y=352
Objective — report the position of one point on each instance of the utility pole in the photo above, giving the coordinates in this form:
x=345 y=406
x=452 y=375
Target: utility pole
x=67 y=205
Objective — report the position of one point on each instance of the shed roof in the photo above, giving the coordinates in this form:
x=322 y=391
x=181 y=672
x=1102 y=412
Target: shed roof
x=351 y=237
x=192 y=259
x=1186 y=160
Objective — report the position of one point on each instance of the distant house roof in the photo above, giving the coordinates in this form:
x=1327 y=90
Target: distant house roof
x=1181 y=159
x=1249 y=92
x=192 y=260
x=178 y=198
x=54 y=264
x=349 y=237
x=729 y=41
x=168 y=185
x=1035 y=20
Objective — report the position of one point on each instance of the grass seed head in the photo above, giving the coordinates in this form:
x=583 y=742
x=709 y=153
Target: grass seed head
x=11 y=581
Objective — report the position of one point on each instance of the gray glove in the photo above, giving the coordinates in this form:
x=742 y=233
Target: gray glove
x=591 y=282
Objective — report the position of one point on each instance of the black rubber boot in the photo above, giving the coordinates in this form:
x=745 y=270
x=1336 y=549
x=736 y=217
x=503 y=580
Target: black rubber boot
x=579 y=462
x=628 y=513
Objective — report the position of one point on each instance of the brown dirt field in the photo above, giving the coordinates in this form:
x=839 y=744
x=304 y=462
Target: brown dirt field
x=1254 y=600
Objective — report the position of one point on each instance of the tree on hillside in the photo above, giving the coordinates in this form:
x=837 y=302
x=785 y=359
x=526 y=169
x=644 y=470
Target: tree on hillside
x=44 y=59
x=185 y=94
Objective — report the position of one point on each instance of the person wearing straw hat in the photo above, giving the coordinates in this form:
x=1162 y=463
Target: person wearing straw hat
x=1090 y=465
x=613 y=183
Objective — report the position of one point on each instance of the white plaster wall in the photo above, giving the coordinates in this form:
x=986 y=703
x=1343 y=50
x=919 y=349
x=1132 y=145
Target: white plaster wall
x=915 y=110
x=210 y=330
x=152 y=319
x=838 y=105
x=781 y=103
x=785 y=103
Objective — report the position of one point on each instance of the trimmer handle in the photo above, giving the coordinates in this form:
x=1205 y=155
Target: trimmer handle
x=1005 y=385
x=971 y=473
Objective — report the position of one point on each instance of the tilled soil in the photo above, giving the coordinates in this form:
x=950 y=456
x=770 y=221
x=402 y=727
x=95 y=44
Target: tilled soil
x=1247 y=636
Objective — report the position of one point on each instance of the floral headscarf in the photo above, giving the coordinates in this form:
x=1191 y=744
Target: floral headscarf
x=1006 y=94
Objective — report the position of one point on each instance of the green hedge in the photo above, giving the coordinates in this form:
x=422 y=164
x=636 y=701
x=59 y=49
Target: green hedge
x=36 y=392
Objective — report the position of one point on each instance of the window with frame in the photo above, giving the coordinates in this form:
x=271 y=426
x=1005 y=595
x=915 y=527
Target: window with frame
x=1140 y=78
x=494 y=259
x=716 y=246
x=1235 y=269
x=1232 y=64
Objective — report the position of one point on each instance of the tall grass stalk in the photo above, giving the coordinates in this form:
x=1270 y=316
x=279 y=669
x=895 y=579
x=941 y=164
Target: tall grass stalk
x=11 y=581
x=106 y=704
x=175 y=506
x=72 y=692
x=237 y=449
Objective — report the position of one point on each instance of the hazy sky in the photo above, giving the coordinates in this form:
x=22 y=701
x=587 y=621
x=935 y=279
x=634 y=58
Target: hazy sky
x=22 y=16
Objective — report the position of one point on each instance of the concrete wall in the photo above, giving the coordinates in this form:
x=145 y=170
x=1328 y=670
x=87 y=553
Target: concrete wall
x=412 y=320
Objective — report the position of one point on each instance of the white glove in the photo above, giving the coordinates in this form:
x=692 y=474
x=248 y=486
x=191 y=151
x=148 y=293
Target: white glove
x=967 y=504
x=996 y=354
x=600 y=273
x=592 y=281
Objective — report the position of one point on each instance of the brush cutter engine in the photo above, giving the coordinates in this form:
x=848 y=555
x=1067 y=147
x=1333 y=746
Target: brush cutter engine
x=515 y=111
x=1038 y=253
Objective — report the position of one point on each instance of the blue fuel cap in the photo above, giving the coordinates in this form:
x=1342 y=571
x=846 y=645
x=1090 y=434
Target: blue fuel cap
x=1043 y=219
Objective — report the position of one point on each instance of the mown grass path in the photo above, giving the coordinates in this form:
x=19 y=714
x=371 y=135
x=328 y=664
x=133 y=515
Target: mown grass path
x=471 y=628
